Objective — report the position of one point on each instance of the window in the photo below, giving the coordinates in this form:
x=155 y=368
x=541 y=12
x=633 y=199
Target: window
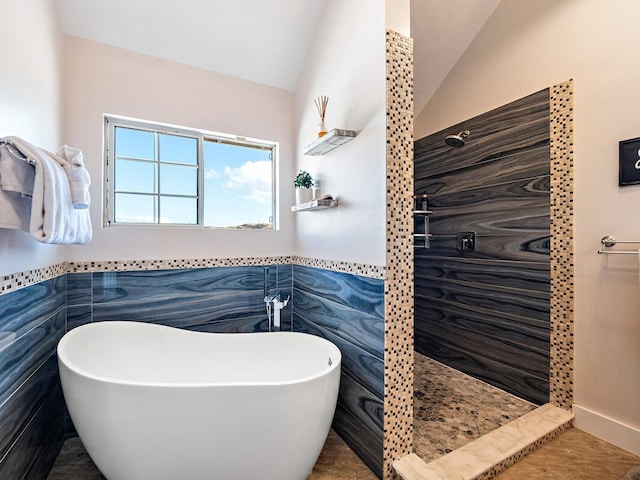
x=163 y=175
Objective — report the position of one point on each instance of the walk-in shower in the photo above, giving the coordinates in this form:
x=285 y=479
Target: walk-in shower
x=482 y=315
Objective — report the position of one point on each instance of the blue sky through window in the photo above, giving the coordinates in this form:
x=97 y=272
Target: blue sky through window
x=156 y=181
x=237 y=185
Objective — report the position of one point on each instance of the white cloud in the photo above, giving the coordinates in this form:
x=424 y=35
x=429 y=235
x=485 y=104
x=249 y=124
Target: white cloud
x=254 y=178
x=211 y=173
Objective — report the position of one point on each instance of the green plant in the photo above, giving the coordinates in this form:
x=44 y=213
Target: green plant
x=303 y=180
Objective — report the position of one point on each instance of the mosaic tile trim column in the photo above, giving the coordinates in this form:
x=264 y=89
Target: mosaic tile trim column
x=562 y=283
x=398 y=335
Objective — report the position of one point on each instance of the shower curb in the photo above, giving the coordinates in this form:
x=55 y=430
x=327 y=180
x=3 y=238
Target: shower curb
x=492 y=453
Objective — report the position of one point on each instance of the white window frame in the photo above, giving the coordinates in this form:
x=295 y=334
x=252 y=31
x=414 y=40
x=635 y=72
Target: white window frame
x=113 y=121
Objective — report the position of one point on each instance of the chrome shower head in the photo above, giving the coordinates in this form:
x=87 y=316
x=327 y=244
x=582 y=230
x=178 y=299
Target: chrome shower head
x=457 y=141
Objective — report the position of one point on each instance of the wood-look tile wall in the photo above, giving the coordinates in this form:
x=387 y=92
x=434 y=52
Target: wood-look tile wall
x=486 y=312
x=348 y=310
x=32 y=416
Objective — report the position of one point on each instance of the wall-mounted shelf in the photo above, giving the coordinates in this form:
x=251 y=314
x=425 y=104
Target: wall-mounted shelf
x=320 y=204
x=329 y=141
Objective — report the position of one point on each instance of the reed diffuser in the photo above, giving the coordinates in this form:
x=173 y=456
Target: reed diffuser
x=321 y=105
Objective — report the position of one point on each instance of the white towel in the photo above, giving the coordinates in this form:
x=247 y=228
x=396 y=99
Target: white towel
x=79 y=178
x=15 y=210
x=53 y=218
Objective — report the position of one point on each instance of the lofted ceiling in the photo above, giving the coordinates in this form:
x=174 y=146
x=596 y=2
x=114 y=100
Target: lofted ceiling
x=265 y=41
x=442 y=30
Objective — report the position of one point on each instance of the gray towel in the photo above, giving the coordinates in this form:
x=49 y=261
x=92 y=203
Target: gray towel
x=633 y=474
x=16 y=173
x=16 y=181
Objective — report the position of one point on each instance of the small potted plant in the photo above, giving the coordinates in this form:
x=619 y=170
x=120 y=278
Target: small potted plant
x=303 y=183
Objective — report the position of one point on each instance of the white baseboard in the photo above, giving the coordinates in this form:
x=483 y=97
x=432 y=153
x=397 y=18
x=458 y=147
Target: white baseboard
x=610 y=430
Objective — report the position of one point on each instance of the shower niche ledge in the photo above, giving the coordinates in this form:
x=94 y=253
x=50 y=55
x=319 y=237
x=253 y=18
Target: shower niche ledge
x=329 y=141
x=421 y=235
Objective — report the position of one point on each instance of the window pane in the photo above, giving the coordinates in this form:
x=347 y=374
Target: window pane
x=178 y=180
x=178 y=210
x=178 y=149
x=134 y=143
x=160 y=177
x=133 y=176
x=237 y=186
x=135 y=208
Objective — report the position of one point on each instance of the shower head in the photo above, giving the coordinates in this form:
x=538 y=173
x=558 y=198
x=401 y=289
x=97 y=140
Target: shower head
x=457 y=141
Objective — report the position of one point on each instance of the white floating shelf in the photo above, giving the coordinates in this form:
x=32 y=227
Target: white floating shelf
x=329 y=141
x=315 y=205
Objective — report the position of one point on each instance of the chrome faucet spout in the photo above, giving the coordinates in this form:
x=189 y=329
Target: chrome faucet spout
x=278 y=305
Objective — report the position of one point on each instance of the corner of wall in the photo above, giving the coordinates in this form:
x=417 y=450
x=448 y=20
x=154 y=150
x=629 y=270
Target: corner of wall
x=399 y=288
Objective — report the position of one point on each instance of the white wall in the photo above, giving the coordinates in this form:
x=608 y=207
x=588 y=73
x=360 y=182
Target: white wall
x=30 y=106
x=102 y=79
x=346 y=63
x=524 y=47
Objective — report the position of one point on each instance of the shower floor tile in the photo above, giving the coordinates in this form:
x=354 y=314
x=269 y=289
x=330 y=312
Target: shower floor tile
x=337 y=462
x=451 y=408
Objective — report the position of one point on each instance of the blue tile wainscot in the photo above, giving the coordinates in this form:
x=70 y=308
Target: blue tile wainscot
x=345 y=308
x=349 y=311
x=32 y=415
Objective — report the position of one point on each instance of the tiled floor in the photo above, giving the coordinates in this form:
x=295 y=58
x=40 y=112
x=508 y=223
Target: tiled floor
x=451 y=409
x=574 y=455
x=337 y=462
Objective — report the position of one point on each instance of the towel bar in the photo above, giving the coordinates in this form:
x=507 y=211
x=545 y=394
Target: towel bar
x=13 y=150
x=609 y=241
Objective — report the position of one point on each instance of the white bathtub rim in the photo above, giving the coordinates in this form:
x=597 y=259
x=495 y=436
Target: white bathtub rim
x=64 y=359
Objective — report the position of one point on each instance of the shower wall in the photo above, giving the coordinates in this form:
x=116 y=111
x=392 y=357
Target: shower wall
x=486 y=312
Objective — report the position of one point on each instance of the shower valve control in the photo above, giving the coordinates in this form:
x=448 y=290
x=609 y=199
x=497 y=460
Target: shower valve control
x=466 y=241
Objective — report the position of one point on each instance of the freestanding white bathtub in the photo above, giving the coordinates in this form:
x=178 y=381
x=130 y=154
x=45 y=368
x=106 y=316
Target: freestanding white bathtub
x=152 y=402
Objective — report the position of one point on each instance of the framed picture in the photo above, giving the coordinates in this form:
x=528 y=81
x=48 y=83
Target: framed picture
x=629 y=162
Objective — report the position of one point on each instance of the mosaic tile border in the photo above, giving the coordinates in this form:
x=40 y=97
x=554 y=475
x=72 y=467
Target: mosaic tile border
x=15 y=281
x=360 y=269
x=398 y=334
x=138 y=265
x=562 y=279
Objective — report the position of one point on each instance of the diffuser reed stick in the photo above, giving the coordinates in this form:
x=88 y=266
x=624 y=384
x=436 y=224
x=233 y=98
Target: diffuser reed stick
x=321 y=104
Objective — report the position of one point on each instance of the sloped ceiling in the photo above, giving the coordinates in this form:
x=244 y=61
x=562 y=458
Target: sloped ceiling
x=442 y=30
x=265 y=41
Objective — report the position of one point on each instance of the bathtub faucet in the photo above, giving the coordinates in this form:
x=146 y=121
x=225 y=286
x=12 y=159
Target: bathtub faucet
x=278 y=305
